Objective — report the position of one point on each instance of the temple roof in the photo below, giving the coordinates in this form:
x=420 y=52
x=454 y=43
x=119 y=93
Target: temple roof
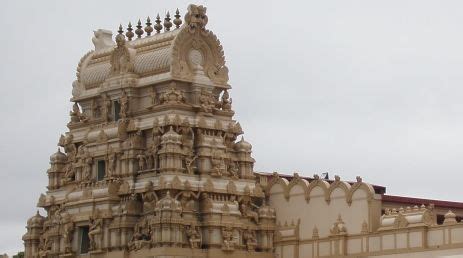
x=174 y=54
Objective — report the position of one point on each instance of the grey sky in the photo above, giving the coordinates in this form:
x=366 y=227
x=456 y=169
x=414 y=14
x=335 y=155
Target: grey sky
x=370 y=88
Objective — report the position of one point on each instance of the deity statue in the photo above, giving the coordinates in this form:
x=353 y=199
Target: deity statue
x=233 y=170
x=207 y=101
x=70 y=173
x=141 y=237
x=122 y=58
x=95 y=232
x=226 y=101
x=112 y=162
x=76 y=115
x=87 y=167
x=95 y=109
x=249 y=237
x=247 y=211
x=193 y=236
x=106 y=107
x=124 y=102
x=153 y=97
x=68 y=232
x=141 y=162
x=217 y=163
x=228 y=238
x=189 y=163
x=187 y=134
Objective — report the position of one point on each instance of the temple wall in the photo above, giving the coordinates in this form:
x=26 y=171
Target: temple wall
x=319 y=219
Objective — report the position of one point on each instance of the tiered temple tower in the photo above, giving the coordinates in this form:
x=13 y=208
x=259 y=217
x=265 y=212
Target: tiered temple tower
x=152 y=165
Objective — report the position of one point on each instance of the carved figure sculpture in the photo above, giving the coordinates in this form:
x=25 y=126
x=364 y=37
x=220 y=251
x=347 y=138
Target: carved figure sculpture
x=172 y=96
x=68 y=231
x=87 y=167
x=194 y=238
x=249 y=237
x=207 y=101
x=189 y=164
x=246 y=210
x=76 y=115
x=196 y=18
x=106 y=107
x=233 y=170
x=140 y=238
x=141 y=162
x=228 y=238
x=121 y=59
x=112 y=162
x=70 y=173
x=124 y=101
x=95 y=232
x=226 y=101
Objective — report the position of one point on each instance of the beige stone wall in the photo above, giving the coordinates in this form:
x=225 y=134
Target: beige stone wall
x=309 y=224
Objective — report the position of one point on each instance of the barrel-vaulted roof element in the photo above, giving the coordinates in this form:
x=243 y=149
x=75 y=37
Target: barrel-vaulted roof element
x=185 y=53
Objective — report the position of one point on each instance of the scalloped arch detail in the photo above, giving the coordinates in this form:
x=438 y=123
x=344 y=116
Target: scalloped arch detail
x=324 y=185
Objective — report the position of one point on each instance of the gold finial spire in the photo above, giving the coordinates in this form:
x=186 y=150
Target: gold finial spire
x=148 y=28
x=139 y=31
x=158 y=26
x=167 y=22
x=129 y=32
x=177 y=20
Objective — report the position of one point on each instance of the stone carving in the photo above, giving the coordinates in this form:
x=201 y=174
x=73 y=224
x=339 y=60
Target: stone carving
x=153 y=97
x=124 y=102
x=194 y=238
x=106 y=107
x=95 y=231
x=246 y=208
x=172 y=96
x=217 y=162
x=228 y=238
x=112 y=162
x=76 y=115
x=122 y=58
x=233 y=170
x=141 y=237
x=196 y=18
x=70 y=173
x=338 y=228
x=141 y=162
x=68 y=231
x=250 y=239
x=187 y=134
x=207 y=101
x=190 y=164
x=225 y=102
x=102 y=39
x=87 y=170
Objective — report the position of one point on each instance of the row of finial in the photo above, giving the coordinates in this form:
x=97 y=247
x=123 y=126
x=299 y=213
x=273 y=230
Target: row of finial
x=139 y=31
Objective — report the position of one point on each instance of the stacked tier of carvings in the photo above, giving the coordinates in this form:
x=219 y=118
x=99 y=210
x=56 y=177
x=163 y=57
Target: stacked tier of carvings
x=189 y=146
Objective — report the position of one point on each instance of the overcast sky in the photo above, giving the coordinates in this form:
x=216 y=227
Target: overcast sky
x=370 y=88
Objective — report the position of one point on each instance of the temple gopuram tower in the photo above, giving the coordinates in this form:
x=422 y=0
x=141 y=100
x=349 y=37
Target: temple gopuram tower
x=153 y=164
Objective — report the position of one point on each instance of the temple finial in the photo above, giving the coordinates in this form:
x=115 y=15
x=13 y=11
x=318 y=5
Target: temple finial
x=148 y=28
x=139 y=31
x=177 y=20
x=158 y=26
x=167 y=22
x=129 y=32
x=121 y=30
